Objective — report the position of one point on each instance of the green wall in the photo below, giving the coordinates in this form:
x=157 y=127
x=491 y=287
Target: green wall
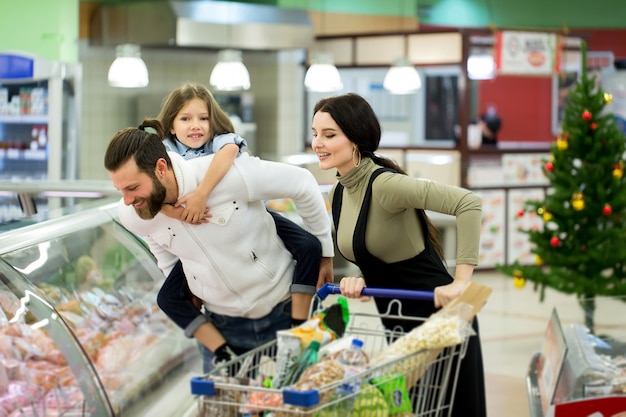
x=44 y=28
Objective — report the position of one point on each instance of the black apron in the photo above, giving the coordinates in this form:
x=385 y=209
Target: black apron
x=423 y=272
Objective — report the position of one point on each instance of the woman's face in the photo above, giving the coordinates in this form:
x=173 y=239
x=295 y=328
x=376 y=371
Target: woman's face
x=331 y=145
x=191 y=124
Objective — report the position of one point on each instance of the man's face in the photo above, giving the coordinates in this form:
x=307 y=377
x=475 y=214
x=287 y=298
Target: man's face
x=144 y=192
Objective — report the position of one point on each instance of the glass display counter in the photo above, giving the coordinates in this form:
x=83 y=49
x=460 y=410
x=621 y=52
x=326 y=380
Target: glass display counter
x=80 y=331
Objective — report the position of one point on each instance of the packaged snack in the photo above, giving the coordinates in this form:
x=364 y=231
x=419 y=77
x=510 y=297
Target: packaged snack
x=369 y=402
x=323 y=327
x=394 y=390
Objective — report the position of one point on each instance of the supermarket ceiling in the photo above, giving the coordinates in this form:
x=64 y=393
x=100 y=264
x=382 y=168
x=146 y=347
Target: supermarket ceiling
x=527 y=14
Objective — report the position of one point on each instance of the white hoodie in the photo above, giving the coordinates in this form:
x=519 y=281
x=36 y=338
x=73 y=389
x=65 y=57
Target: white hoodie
x=236 y=263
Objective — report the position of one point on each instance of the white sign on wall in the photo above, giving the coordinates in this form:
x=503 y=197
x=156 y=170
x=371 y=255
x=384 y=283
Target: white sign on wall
x=527 y=53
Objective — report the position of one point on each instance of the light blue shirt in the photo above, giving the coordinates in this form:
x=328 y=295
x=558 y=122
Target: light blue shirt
x=209 y=148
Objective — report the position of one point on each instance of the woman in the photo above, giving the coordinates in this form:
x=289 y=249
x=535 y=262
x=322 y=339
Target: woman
x=382 y=228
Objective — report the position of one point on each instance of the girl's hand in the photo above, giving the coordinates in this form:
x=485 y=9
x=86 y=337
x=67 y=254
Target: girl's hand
x=351 y=287
x=194 y=208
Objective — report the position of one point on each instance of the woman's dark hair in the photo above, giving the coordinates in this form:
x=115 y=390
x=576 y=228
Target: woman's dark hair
x=358 y=121
x=143 y=143
x=356 y=118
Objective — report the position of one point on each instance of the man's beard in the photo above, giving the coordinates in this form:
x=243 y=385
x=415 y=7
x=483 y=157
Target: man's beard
x=154 y=201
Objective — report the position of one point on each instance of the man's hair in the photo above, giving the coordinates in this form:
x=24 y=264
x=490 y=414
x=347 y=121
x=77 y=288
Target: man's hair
x=143 y=143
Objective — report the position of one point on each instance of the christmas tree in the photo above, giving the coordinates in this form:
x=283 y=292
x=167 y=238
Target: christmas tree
x=581 y=248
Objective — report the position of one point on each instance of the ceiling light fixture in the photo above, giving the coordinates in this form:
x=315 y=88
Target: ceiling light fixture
x=402 y=78
x=322 y=76
x=230 y=74
x=128 y=70
x=481 y=67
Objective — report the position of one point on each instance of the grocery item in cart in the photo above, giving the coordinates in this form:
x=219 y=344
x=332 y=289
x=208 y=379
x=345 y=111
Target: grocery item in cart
x=444 y=328
x=370 y=402
x=308 y=358
x=316 y=377
x=323 y=327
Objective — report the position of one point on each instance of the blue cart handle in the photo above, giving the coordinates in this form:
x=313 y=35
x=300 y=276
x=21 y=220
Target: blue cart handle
x=327 y=289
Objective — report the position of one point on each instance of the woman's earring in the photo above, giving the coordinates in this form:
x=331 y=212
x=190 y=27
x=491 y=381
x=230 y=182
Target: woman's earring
x=356 y=164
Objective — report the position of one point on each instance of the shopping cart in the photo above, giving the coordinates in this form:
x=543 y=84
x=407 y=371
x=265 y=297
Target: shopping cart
x=418 y=384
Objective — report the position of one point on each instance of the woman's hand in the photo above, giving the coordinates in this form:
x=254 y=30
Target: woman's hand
x=447 y=293
x=351 y=287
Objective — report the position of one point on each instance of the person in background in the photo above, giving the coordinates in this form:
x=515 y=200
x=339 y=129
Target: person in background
x=490 y=124
x=234 y=263
x=381 y=226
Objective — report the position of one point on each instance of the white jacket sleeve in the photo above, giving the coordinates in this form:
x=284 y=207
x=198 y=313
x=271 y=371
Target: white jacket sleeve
x=267 y=180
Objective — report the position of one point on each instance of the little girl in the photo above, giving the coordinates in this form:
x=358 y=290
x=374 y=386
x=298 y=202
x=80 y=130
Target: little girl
x=198 y=126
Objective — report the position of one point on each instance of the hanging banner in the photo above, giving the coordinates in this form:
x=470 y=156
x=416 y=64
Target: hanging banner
x=527 y=53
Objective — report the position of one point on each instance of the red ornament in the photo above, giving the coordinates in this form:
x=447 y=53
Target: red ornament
x=587 y=115
x=583 y=248
x=554 y=241
x=549 y=166
x=593 y=126
x=607 y=210
x=520 y=213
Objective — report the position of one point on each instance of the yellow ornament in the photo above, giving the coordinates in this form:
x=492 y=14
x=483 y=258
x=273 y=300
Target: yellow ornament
x=578 y=205
x=547 y=216
x=618 y=173
x=540 y=211
x=578 y=201
x=519 y=282
x=538 y=260
x=561 y=144
x=608 y=97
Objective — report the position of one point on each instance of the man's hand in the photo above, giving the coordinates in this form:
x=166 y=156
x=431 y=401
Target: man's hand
x=224 y=354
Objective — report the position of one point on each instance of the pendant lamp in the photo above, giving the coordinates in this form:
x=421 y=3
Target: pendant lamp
x=481 y=67
x=230 y=74
x=402 y=78
x=322 y=76
x=128 y=70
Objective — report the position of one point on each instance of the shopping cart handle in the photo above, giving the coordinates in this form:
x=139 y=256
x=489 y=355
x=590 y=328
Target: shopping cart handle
x=328 y=289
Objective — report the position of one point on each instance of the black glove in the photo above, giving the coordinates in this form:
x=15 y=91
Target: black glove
x=225 y=354
x=296 y=322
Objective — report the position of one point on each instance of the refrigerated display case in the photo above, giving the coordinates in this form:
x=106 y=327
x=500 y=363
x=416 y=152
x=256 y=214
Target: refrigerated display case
x=80 y=331
x=39 y=121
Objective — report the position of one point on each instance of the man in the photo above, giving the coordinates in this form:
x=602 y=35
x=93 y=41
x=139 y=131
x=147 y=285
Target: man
x=234 y=263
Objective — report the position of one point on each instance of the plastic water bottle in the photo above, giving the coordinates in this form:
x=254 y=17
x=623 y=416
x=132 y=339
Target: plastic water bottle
x=354 y=361
x=308 y=358
x=354 y=355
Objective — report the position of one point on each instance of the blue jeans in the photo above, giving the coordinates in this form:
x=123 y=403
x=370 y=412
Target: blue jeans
x=243 y=335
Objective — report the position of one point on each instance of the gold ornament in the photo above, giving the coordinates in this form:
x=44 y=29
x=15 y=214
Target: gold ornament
x=547 y=216
x=538 y=260
x=578 y=201
x=561 y=143
x=608 y=97
x=618 y=170
x=519 y=282
x=540 y=211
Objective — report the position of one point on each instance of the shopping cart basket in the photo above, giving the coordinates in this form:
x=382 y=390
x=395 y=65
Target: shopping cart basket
x=418 y=384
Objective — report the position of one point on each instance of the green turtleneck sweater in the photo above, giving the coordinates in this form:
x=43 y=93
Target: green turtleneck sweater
x=393 y=229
